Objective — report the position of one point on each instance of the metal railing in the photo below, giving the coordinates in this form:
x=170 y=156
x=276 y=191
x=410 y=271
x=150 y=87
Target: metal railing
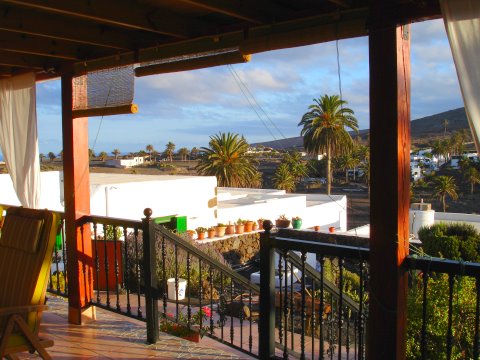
x=444 y=302
x=324 y=315
x=117 y=249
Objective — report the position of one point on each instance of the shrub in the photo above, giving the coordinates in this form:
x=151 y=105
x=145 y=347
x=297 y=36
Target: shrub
x=456 y=241
x=437 y=317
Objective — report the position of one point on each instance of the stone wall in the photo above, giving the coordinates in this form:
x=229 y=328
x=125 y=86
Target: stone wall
x=238 y=249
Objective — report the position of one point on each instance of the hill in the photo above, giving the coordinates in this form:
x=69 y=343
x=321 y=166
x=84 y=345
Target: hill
x=423 y=130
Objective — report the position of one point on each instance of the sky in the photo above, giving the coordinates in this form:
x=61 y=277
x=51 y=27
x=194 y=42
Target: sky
x=188 y=107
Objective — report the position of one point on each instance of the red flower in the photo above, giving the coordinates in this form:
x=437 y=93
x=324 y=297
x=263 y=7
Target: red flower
x=207 y=311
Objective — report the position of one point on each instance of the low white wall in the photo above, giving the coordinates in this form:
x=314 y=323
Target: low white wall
x=49 y=196
x=448 y=218
x=269 y=208
x=332 y=212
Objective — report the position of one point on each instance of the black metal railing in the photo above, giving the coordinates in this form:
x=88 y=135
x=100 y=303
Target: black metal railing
x=117 y=250
x=199 y=293
x=321 y=316
x=444 y=309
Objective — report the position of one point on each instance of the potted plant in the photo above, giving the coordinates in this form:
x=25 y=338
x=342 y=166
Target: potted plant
x=191 y=234
x=192 y=333
x=260 y=223
x=282 y=222
x=201 y=232
x=331 y=229
x=230 y=230
x=220 y=229
x=255 y=226
x=211 y=232
x=239 y=227
x=248 y=225
x=316 y=227
x=297 y=222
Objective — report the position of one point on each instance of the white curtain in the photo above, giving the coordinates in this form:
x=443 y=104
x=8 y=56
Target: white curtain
x=18 y=136
x=462 y=22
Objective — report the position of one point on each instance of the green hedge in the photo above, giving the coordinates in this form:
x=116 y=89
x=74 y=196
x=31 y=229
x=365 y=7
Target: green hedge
x=458 y=241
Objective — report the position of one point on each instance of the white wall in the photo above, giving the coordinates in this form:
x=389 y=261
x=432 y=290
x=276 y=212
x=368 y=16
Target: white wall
x=50 y=191
x=458 y=217
x=192 y=196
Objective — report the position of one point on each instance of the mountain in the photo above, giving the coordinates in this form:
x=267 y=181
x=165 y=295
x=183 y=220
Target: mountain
x=423 y=129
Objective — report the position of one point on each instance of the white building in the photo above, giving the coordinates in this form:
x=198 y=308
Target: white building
x=125 y=163
x=197 y=197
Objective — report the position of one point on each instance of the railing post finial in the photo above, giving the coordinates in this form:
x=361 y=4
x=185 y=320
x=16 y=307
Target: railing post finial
x=267 y=226
x=148 y=213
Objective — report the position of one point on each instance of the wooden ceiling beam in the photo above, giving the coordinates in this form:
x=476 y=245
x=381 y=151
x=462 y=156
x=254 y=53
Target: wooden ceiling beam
x=342 y=3
x=35 y=62
x=262 y=38
x=31 y=22
x=27 y=44
x=124 y=14
x=251 y=11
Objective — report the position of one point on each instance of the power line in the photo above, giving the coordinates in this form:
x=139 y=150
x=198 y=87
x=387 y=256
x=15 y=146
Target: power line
x=249 y=101
x=250 y=97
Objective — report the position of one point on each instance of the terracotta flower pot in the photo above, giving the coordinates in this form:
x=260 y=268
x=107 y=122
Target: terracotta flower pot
x=255 y=226
x=316 y=227
x=283 y=224
x=331 y=229
x=201 y=236
x=260 y=224
x=248 y=226
x=230 y=230
x=239 y=229
x=211 y=233
x=220 y=230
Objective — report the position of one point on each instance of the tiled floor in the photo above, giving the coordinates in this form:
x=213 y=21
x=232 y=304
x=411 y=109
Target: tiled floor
x=114 y=336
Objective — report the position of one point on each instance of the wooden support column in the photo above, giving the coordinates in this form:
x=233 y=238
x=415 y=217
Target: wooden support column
x=77 y=204
x=390 y=187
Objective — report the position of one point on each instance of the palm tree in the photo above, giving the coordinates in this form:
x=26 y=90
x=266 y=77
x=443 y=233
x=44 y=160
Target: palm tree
x=183 y=152
x=346 y=162
x=149 y=149
x=91 y=154
x=297 y=166
x=324 y=129
x=102 y=155
x=445 y=123
x=194 y=152
x=169 y=149
x=116 y=152
x=284 y=179
x=445 y=185
x=228 y=160
x=473 y=177
x=51 y=156
x=41 y=156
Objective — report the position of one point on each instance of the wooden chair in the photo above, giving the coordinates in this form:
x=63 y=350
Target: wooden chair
x=26 y=246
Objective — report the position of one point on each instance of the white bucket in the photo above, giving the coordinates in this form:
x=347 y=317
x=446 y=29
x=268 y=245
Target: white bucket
x=182 y=286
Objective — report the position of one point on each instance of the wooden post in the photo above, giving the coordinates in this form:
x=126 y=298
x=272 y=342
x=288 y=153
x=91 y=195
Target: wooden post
x=77 y=204
x=390 y=184
x=266 y=323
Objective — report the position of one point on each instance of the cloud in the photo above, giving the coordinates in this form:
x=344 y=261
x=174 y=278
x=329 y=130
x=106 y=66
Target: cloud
x=188 y=107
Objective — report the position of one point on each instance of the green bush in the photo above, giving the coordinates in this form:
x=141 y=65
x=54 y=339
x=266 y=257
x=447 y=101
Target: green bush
x=437 y=317
x=456 y=241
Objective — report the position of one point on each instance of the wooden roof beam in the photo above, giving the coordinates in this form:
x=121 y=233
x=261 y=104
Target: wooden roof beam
x=342 y=3
x=262 y=38
x=26 y=61
x=124 y=14
x=51 y=26
x=27 y=44
x=244 y=10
